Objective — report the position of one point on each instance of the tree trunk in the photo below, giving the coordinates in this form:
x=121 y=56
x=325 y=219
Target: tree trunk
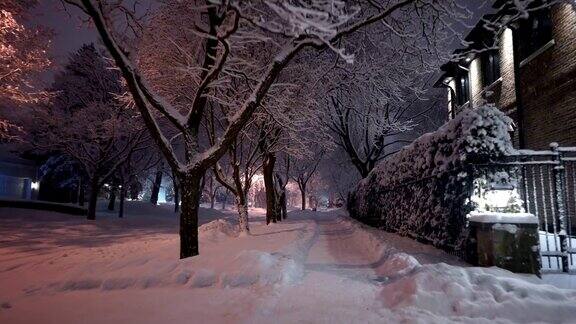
x=211 y=192
x=268 y=173
x=242 y=206
x=191 y=191
x=278 y=207
x=282 y=202
x=77 y=201
x=93 y=200
x=212 y=200
x=224 y=200
x=81 y=195
x=176 y=193
x=156 y=186
x=122 y=198
x=112 y=200
x=303 y=193
x=282 y=213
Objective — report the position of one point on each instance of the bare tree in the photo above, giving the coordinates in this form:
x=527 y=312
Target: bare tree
x=282 y=179
x=137 y=162
x=86 y=121
x=157 y=184
x=243 y=162
x=303 y=170
x=335 y=170
x=221 y=25
x=211 y=187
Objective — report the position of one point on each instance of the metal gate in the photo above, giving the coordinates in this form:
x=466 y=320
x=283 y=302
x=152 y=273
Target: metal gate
x=548 y=190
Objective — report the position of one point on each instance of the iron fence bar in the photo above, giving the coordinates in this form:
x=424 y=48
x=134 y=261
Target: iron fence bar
x=525 y=196
x=545 y=178
x=536 y=211
x=573 y=207
x=553 y=211
x=559 y=205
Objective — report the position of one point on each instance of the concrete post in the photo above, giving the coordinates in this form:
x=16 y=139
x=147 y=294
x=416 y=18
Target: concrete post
x=506 y=240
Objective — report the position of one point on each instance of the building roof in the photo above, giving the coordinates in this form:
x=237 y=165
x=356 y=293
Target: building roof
x=479 y=38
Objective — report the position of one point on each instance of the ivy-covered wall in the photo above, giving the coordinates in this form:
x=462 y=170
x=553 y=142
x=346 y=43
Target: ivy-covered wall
x=424 y=190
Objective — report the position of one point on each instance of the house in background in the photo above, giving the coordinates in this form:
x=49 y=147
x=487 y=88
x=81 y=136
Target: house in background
x=530 y=73
x=18 y=176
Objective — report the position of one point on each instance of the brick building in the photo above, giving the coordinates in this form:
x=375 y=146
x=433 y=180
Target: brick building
x=528 y=70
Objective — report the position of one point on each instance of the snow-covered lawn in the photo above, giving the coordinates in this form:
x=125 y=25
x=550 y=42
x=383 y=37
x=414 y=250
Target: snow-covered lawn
x=316 y=267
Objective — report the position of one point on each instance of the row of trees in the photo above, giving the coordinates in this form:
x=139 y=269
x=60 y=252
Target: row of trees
x=244 y=87
x=228 y=62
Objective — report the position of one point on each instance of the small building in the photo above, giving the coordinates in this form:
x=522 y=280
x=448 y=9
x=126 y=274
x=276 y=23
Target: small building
x=528 y=70
x=18 y=176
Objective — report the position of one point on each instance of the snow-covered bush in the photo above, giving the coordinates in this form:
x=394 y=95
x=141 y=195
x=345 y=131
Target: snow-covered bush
x=424 y=190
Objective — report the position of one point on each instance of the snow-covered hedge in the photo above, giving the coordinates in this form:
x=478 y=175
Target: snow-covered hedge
x=424 y=190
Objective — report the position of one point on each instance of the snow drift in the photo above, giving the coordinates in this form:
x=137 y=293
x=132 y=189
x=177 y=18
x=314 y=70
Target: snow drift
x=217 y=230
x=425 y=292
x=321 y=267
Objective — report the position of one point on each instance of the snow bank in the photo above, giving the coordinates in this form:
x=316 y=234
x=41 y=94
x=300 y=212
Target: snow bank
x=438 y=292
x=244 y=265
x=318 y=267
x=397 y=265
x=217 y=230
x=248 y=268
x=263 y=269
x=424 y=190
x=283 y=267
x=465 y=294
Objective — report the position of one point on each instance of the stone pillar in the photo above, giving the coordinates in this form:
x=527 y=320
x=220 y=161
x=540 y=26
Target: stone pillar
x=505 y=240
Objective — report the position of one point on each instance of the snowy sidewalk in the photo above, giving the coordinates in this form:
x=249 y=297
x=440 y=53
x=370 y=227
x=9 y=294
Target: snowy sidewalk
x=316 y=267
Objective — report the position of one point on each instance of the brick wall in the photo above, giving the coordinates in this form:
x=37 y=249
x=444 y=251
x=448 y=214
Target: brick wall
x=502 y=92
x=505 y=92
x=548 y=86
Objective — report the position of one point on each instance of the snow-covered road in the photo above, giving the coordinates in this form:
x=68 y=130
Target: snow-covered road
x=316 y=267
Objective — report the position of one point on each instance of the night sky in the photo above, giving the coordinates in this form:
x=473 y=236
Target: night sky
x=70 y=32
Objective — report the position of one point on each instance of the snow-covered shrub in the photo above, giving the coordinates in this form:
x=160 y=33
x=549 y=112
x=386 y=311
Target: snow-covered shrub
x=424 y=190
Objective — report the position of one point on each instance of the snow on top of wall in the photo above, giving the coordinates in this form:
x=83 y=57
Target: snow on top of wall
x=507 y=218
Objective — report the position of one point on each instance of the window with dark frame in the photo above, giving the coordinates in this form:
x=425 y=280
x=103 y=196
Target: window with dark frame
x=490 y=62
x=534 y=32
x=462 y=89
